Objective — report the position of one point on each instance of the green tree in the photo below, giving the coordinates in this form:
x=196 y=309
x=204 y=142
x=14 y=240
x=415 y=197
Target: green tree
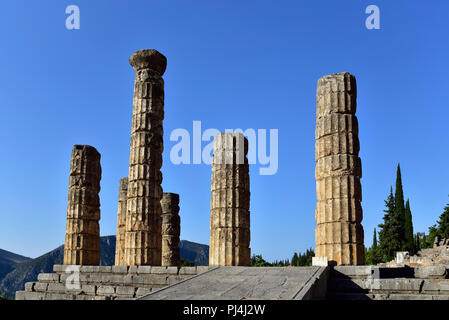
x=368 y=256
x=400 y=208
x=258 y=261
x=390 y=234
x=185 y=263
x=443 y=223
x=295 y=259
x=408 y=227
x=376 y=256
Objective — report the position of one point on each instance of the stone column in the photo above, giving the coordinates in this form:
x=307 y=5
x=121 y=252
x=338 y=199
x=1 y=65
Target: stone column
x=143 y=221
x=339 y=232
x=82 y=239
x=121 y=222
x=171 y=227
x=230 y=194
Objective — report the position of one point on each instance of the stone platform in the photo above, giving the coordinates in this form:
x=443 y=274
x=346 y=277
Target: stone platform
x=241 y=283
x=380 y=283
x=70 y=282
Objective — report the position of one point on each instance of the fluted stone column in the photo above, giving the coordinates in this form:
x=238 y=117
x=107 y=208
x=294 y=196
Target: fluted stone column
x=121 y=222
x=143 y=221
x=82 y=239
x=339 y=232
x=171 y=227
x=230 y=196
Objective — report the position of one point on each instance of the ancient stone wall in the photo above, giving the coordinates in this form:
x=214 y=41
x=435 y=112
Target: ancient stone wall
x=339 y=233
x=171 y=228
x=103 y=282
x=82 y=239
x=121 y=222
x=230 y=199
x=143 y=222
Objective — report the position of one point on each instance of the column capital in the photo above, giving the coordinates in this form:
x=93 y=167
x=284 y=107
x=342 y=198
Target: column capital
x=148 y=59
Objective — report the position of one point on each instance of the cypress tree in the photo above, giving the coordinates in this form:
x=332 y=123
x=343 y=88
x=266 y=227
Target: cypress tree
x=417 y=243
x=400 y=209
x=443 y=223
x=295 y=260
x=375 y=255
x=375 y=240
x=408 y=226
x=390 y=235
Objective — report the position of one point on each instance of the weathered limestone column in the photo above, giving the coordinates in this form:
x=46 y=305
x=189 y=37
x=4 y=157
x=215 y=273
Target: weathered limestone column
x=143 y=221
x=171 y=227
x=121 y=222
x=230 y=195
x=82 y=239
x=339 y=232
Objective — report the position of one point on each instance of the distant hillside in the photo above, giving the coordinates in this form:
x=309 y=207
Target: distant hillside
x=27 y=269
x=195 y=252
x=8 y=260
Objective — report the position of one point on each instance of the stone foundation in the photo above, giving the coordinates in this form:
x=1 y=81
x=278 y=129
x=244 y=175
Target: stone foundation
x=103 y=282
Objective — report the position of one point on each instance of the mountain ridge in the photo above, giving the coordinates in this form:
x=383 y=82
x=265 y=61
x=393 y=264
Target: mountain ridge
x=27 y=269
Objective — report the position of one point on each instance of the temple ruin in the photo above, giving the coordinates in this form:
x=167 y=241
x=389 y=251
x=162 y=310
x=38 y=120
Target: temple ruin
x=171 y=229
x=82 y=238
x=230 y=194
x=339 y=232
x=121 y=222
x=143 y=243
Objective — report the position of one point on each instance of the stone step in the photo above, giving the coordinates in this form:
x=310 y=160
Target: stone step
x=389 y=285
x=120 y=291
x=130 y=270
x=24 y=295
x=360 y=272
x=383 y=296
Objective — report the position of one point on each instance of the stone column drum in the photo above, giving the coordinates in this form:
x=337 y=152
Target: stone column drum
x=339 y=232
x=171 y=227
x=230 y=196
x=121 y=222
x=143 y=220
x=82 y=239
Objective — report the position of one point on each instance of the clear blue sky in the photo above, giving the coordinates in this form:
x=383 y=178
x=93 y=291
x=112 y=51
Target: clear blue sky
x=231 y=64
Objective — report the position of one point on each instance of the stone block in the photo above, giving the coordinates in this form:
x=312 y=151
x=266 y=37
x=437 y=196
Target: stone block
x=172 y=270
x=175 y=279
x=56 y=287
x=22 y=295
x=156 y=279
x=430 y=286
x=144 y=269
x=320 y=261
x=431 y=272
x=201 y=269
x=142 y=292
x=119 y=269
x=58 y=296
x=105 y=269
x=40 y=286
x=88 y=289
x=401 y=256
x=48 y=277
x=125 y=291
x=159 y=270
x=354 y=271
x=29 y=286
x=132 y=269
x=61 y=268
x=188 y=270
x=105 y=290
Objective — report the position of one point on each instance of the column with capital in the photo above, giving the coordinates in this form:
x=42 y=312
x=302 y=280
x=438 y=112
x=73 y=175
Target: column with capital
x=143 y=219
